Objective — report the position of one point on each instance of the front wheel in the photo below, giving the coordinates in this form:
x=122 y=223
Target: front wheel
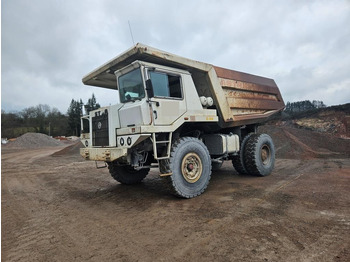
x=127 y=174
x=259 y=155
x=190 y=165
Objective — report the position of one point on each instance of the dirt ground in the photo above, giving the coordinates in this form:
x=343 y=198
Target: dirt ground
x=58 y=207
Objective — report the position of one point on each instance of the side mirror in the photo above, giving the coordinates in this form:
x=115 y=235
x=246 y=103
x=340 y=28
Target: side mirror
x=149 y=88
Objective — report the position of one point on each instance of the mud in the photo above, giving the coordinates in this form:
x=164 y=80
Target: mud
x=58 y=207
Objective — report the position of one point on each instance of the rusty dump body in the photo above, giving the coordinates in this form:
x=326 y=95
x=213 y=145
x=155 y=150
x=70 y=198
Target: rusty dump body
x=239 y=98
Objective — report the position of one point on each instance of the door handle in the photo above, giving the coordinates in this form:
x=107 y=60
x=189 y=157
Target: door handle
x=156 y=102
x=155 y=114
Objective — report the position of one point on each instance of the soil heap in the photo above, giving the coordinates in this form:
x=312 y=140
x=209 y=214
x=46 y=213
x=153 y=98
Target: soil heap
x=299 y=143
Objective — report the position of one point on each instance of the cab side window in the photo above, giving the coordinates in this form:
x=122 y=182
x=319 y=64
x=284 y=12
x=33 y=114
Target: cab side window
x=166 y=85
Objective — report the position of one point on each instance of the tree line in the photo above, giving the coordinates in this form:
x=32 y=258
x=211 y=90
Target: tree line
x=50 y=121
x=44 y=119
x=302 y=106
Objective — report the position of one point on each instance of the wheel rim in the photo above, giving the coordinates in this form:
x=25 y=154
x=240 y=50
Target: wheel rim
x=265 y=154
x=191 y=167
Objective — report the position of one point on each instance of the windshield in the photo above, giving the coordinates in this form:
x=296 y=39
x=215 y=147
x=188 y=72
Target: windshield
x=131 y=86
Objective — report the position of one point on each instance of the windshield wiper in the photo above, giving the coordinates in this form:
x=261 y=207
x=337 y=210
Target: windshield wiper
x=133 y=100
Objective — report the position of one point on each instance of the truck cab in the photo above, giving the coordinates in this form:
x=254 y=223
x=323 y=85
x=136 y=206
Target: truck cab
x=155 y=100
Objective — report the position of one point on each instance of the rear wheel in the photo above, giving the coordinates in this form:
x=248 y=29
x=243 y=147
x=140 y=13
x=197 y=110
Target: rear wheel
x=127 y=174
x=190 y=165
x=238 y=160
x=259 y=155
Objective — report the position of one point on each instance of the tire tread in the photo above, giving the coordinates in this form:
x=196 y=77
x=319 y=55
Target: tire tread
x=251 y=159
x=120 y=174
x=170 y=182
x=238 y=160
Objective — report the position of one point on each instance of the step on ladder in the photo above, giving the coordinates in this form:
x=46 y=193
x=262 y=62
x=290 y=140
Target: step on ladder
x=166 y=141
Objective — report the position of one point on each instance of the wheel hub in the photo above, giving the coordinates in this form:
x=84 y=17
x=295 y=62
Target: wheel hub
x=191 y=167
x=265 y=154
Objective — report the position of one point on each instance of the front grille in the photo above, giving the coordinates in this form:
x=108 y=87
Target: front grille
x=100 y=129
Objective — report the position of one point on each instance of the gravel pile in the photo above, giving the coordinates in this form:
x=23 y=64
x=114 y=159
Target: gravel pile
x=34 y=140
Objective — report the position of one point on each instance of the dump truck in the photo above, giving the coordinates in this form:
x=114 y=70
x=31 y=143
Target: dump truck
x=180 y=116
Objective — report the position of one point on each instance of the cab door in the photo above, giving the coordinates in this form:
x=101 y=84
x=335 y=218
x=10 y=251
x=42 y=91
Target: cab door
x=168 y=103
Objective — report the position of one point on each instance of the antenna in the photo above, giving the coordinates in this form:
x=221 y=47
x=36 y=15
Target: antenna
x=132 y=37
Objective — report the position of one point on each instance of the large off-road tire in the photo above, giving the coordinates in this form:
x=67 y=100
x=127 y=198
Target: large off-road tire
x=190 y=165
x=238 y=160
x=126 y=174
x=259 y=155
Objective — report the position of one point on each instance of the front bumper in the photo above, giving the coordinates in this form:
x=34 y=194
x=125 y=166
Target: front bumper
x=103 y=154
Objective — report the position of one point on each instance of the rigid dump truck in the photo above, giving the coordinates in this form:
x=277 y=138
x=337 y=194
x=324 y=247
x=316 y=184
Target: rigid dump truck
x=181 y=116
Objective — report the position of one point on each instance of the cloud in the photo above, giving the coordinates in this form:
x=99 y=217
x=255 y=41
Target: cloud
x=48 y=46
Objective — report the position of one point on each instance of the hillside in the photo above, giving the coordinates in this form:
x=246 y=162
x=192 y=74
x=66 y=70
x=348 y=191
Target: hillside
x=319 y=133
x=334 y=120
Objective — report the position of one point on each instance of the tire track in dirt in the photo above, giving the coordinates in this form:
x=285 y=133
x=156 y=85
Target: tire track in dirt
x=35 y=234
x=323 y=248
x=29 y=199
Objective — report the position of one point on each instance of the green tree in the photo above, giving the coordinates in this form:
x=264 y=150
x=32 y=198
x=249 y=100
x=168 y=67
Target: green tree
x=35 y=116
x=92 y=104
x=10 y=121
x=57 y=123
x=318 y=104
x=74 y=113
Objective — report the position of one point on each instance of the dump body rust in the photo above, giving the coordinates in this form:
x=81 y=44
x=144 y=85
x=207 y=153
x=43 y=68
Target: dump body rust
x=239 y=98
x=250 y=98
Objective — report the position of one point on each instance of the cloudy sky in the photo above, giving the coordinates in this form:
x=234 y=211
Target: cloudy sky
x=47 y=46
